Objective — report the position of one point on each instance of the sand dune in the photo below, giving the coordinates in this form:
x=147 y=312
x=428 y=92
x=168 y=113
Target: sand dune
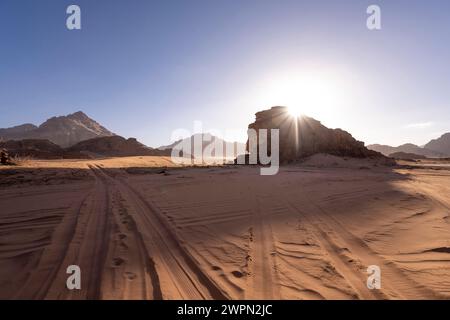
x=309 y=232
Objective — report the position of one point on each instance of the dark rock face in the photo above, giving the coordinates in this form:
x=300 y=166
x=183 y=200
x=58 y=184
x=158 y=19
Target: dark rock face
x=64 y=131
x=303 y=136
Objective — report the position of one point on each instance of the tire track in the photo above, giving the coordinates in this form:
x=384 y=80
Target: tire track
x=179 y=274
x=353 y=277
x=261 y=253
x=394 y=280
x=94 y=248
x=54 y=257
x=81 y=239
x=133 y=274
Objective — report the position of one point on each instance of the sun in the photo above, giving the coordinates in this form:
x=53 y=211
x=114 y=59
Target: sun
x=294 y=111
x=314 y=94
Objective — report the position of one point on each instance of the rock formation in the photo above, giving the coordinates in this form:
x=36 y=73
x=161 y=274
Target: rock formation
x=304 y=136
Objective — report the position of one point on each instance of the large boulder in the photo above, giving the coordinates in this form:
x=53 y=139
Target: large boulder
x=303 y=136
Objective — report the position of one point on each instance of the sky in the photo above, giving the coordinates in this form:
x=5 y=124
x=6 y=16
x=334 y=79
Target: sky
x=147 y=68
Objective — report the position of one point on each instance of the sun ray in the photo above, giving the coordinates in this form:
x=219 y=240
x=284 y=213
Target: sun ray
x=294 y=111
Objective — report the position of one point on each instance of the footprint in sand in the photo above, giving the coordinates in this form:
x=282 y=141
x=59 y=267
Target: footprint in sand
x=118 y=262
x=130 y=275
x=237 y=274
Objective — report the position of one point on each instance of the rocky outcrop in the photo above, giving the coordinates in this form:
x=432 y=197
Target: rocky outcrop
x=303 y=136
x=64 y=131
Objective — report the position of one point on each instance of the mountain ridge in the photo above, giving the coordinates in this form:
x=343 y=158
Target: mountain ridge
x=64 y=131
x=441 y=144
x=115 y=146
x=410 y=148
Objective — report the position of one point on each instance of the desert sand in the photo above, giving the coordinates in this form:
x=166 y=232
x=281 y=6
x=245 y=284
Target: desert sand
x=144 y=228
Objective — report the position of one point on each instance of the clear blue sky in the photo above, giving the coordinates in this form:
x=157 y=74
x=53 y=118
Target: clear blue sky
x=145 y=68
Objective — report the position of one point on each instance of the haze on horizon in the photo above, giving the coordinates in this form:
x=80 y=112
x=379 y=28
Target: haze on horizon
x=144 y=69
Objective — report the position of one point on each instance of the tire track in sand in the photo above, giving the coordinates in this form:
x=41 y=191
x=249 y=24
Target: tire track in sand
x=261 y=256
x=179 y=274
x=86 y=237
x=132 y=274
x=353 y=277
x=87 y=248
x=53 y=255
x=336 y=239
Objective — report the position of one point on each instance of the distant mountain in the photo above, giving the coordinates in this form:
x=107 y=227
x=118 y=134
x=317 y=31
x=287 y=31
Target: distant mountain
x=7 y=133
x=406 y=156
x=210 y=140
x=64 y=131
x=114 y=146
x=405 y=148
x=441 y=145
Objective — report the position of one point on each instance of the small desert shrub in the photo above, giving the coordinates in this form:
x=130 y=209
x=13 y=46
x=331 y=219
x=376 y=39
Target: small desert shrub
x=20 y=160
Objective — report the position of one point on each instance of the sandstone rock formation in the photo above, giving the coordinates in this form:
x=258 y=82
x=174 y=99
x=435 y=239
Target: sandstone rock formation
x=304 y=136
